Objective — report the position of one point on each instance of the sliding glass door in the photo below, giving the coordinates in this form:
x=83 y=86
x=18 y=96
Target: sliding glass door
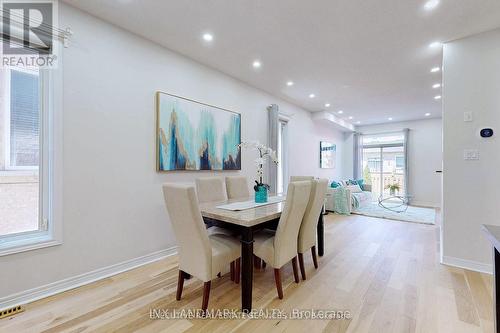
x=384 y=164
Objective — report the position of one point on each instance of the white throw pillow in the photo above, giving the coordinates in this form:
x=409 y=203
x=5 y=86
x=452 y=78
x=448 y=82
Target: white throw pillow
x=354 y=188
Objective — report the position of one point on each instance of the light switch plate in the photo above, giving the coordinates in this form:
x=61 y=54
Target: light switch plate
x=471 y=154
x=468 y=116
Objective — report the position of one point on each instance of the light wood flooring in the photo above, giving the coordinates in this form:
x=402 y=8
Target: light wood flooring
x=386 y=273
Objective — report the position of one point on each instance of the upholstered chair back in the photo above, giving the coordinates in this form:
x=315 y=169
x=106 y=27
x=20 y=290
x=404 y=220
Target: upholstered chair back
x=195 y=251
x=300 y=178
x=285 y=240
x=210 y=189
x=307 y=234
x=237 y=187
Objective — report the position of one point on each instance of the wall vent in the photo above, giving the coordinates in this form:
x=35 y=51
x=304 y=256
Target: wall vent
x=11 y=311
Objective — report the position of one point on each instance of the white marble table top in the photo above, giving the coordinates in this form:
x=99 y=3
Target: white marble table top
x=247 y=217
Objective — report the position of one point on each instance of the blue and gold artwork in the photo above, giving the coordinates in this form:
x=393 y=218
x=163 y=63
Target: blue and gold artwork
x=196 y=136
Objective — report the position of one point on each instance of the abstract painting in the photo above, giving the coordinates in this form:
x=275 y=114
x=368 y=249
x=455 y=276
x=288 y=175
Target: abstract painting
x=196 y=136
x=327 y=155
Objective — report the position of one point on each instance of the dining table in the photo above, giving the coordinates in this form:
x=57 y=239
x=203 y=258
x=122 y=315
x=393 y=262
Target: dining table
x=245 y=222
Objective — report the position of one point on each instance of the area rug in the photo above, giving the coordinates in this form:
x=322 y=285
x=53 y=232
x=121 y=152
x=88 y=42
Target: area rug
x=412 y=214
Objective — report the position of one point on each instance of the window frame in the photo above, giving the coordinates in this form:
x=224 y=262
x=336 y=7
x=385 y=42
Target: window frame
x=50 y=187
x=283 y=154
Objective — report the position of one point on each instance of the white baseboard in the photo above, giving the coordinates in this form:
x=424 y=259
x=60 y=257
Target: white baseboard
x=425 y=204
x=468 y=264
x=50 y=289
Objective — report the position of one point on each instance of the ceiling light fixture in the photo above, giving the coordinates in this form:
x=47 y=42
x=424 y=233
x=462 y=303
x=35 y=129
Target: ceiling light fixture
x=427 y=114
x=390 y=118
x=340 y=111
x=437 y=85
x=435 y=45
x=289 y=83
x=358 y=122
x=431 y=4
x=256 y=64
x=350 y=117
x=435 y=69
x=437 y=97
x=207 y=37
x=312 y=95
x=327 y=105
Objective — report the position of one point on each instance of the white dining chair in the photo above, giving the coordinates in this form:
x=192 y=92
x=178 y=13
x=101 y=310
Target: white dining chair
x=213 y=189
x=277 y=249
x=308 y=227
x=237 y=187
x=200 y=254
x=300 y=178
x=210 y=189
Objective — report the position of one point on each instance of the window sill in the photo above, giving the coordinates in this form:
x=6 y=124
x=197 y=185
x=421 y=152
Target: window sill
x=33 y=243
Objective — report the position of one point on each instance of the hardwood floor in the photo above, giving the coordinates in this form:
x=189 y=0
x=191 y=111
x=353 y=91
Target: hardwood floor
x=385 y=273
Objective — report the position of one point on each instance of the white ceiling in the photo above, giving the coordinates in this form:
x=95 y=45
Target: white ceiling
x=369 y=58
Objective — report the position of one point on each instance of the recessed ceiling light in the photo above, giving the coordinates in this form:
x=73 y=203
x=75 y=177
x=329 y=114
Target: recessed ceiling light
x=256 y=64
x=327 y=105
x=390 y=118
x=431 y=4
x=208 y=37
x=350 y=117
x=435 y=69
x=435 y=45
x=437 y=85
x=358 y=122
x=289 y=83
x=437 y=97
x=340 y=111
x=427 y=114
x=312 y=95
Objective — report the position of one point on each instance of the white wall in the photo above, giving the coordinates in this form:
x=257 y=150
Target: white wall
x=113 y=206
x=425 y=157
x=471 y=194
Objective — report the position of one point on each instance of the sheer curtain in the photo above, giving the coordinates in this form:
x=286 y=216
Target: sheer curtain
x=406 y=135
x=272 y=142
x=358 y=156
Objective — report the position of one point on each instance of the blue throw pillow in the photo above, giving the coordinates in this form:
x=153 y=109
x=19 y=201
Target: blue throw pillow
x=352 y=182
x=361 y=183
x=334 y=184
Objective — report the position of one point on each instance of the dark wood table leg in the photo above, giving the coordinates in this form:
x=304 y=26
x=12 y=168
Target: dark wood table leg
x=496 y=286
x=246 y=269
x=321 y=236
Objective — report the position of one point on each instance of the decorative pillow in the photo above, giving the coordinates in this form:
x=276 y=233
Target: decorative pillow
x=334 y=184
x=361 y=183
x=354 y=188
x=352 y=182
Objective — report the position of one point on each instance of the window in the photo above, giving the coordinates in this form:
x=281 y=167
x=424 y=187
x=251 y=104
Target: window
x=25 y=164
x=384 y=164
x=23 y=145
x=282 y=156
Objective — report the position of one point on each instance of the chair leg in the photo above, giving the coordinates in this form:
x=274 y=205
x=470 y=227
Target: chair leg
x=315 y=260
x=301 y=264
x=206 y=294
x=231 y=270
x=295 y=269
x=180 y=285
x=256 y=262
x=277 y=278
x=237 y=270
